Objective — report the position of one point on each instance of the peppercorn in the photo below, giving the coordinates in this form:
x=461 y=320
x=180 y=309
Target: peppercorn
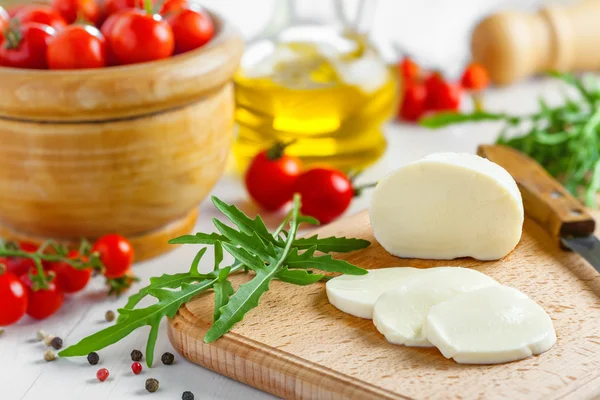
x=49 y=355
x=102 y=374
x=48 y=340
x=136 y=355
x=109 y=316
x=57 y=343
x=187 y=395
x=167 y=358
x=1 y=331
x=151 y=385
x=93 y=358
x=41 y=335
x=136 y=367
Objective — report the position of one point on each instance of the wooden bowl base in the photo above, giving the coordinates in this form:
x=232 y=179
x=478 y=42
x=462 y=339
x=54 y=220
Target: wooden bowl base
x=146 y=245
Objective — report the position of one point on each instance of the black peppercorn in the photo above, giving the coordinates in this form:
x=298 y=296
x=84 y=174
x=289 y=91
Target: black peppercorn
x=109 y=316
x=136 y=355
x=167 y=358
x=57 y=343
x=93 y=358
x=151 y=385
x=187 y=396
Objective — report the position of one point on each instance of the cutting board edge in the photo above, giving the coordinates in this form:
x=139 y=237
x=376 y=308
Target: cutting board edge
x=247 y=361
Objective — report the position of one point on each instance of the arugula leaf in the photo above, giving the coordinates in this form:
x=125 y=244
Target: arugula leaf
x=246 y=241
x=223 y=290
x=325 y=263
x=242 y=221
x=299 y=277
x=250 y=260
x=449 y=118
x=198 y=238
x=218 y=255
x=331 y=244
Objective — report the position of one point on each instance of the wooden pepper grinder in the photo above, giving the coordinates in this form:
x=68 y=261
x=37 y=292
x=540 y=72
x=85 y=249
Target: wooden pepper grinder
x=514 y=45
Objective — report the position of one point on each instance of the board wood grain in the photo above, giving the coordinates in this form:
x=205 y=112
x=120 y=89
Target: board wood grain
x=296 y=345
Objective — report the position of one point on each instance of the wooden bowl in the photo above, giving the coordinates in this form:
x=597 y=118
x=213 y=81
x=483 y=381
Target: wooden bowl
x=130 y=149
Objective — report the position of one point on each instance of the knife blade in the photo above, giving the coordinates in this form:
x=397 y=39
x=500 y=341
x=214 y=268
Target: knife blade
x=548 y=203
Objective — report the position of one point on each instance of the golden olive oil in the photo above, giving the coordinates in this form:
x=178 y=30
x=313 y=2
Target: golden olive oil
x=329 y=96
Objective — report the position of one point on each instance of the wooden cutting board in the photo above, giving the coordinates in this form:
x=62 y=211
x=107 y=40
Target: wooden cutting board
x=296 y=345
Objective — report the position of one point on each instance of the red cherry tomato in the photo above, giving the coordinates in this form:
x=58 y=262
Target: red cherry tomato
x=170 y=6
x=326 y=193
x=41 y=14
x=13 y=298
x=30 y=50
x=73 y=10
x=409 y=70
x=413 y=102
x=114 y=6
x=68 y=278
x=441 y=94
x=116 y=253
x=191 y=29
x=77 y=47
x=139 y=37
x=44 y=302
x=270 y=178
x=106 y=30
x=475 y=77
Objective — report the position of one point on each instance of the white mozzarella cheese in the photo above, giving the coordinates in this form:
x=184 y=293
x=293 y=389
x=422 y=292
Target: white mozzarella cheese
x=492 y=325
x=356 y=294
x=446 y=206
x=400 y=314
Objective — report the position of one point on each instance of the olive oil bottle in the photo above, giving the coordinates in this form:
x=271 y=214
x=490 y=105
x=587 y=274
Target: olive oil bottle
x=313 y=80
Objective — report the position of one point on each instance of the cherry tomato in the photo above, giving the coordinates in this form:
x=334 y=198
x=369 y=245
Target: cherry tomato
x=475 y=77
x=409 y=71
x=139 y=37
x=44 y=302
x=73 y=10
x=77 y=47
x=116 y=253
x=41 y=14
x=68 y=278
x=106 y=30
x=413 y=102
x=28 y=51
x=170 y=6
x=271 y=176
x=13 y=297
x=113 y=6
x=326 y=193
x=191 y=29
x=441 y=94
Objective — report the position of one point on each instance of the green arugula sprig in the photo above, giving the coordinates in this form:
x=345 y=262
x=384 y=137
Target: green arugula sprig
x=565 y=139
x=278 y=255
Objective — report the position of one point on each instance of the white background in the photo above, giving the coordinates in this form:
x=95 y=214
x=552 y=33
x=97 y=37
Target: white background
x=25 y=375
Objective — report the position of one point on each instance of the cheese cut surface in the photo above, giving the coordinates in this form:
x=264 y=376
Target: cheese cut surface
x=446 y=206
x=357 y=294
x=400 y=314
x=489 y=326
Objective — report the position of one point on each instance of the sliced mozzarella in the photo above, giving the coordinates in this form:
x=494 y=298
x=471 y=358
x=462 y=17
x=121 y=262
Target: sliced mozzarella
x=448 y=205
x=400 y=314
x=356 y=294
x=491 y=325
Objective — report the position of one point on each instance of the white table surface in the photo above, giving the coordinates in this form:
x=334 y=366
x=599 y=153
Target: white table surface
x=25 y=375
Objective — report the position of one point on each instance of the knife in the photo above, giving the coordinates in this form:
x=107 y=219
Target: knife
x=548 y=203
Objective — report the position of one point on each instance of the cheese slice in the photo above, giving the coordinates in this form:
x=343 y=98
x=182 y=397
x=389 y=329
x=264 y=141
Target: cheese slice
x=356 y=294
x=492 y=325
x=400 y=314
x=446 y=206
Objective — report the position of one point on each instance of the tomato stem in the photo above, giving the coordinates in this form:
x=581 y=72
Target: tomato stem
x=277 y=150
x=360 y=188
x=148 y=6
x=13 y=34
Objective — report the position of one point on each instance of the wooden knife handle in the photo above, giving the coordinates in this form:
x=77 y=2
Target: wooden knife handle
x=544 y=199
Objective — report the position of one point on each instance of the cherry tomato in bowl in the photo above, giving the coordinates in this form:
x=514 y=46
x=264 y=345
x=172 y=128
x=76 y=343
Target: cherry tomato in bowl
x=326 y=193
x=116 y=253
x=43 y=302
x=77 y=47
x=139 y=37
x=26 y=46
x=41 y=14
x=191 y=29
x=13 y=298
x=72 y=10
x=68 y=278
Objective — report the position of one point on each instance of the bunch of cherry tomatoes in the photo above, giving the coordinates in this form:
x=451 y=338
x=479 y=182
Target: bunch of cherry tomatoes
x=34 y=279
x=430 y=92
x=273 y=177
x=81 y=34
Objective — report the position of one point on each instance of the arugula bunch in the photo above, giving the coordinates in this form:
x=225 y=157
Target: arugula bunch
x=565 y=140
x=278 y=255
